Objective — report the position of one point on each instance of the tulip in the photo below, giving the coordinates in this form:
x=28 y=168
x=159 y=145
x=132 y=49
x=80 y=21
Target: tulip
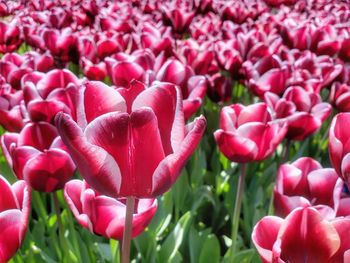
x=45 y=95
x=304 y=230
x=304 y=111
x=38 y=156
x=305 y=183
x=339 y=96
x=104 y=215
x=10 y=37
x=123 y=170
x=179 y=18
x=11 y=114
x=267 y=74
x=339 y=145
x=247 y=133
x=14 y=212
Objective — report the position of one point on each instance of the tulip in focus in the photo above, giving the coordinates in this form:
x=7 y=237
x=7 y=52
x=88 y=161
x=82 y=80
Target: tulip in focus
x=248 y=133
x=305 y=183
x=303 y=236
x=14 y=212
x=109 y=146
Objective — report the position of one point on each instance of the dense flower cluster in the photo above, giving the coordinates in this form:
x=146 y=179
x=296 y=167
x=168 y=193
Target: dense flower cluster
x=142 y=69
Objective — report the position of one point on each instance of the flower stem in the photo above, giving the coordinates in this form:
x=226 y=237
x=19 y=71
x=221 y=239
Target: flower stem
x=59 y=221
x=130 y=202
x=237 y=209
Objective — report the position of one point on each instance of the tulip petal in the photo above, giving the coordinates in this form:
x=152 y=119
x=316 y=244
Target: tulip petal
x=122 y=136
x=95 y=164
x=168 y=170
x=265 y=234
x=166 y=102
x=11 y=224
x=49 y=170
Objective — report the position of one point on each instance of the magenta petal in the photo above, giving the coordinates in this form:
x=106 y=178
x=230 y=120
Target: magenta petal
x=122 y=136
x=169 y=169
x=39 y=135
x=6 y=141
x=98 y=167
x=103 y=98
x=20 y=156
x=166 y=102
x=305 y=231
x=49 y=171
x=7 y=198
x=11 y=225
x=236 y=147
x=264 y=236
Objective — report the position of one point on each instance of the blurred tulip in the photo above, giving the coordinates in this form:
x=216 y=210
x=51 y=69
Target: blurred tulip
x=247 y=133
x=304 y=230
x=219 y=88
x=340 y=96
x=49 y=94
x=10 y=37
x=305 y=183
x=38 y=156
x=339 y=147
x=124 y=169
x=304 y=111
x=11 y=114
x=14 y=212
x=104 y=215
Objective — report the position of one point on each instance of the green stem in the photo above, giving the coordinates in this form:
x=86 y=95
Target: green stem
x=130 y=202
x=237 y=210
x=59 y=222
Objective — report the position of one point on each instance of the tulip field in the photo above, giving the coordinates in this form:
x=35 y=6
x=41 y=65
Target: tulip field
x=169 y=131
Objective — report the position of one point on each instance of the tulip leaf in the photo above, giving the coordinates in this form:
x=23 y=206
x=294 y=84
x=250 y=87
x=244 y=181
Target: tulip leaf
x=210 y=252
x=172 y=243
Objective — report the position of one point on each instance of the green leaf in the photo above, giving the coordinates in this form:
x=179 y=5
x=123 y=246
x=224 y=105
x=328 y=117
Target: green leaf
x=172 y=243
x=210 y=252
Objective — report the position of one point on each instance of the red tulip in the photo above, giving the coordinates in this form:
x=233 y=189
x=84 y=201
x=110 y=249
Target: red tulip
x=11 y=114
x=10 y=37
x=267 y=74
x=339 y=147
x=219 y=88
x=54 y=92
x=247 y=133
x=38 y=156
x=179 y=18
x=305 y=183
x=62 y=45
x=133 y=166
x=104 y=215
x=340 y=96
x=14 y=212
x=304 y=111
x=303 y=236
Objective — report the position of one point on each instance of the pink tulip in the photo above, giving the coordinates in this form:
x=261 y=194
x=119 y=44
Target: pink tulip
x=11 y=114
x=38 y=156
x=247 y=133
x=104 y=215
x=303 y=236
x=340 y=96
x=339 y=145
x=305 y=183
x=14 y=212
x=10 y=37
x=108 y=118
x=267 y=74
x=304 y=111
x=178 y=18
x=45 y=95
